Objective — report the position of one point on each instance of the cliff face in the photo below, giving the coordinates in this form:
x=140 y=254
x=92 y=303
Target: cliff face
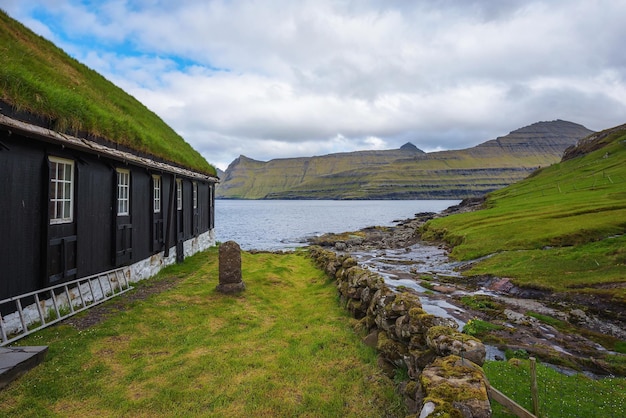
x=405 y=173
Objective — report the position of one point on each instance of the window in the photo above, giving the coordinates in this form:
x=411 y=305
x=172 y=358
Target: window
x=123 y=192
x=156 y=195
x=195 y=195
x=179 y=194
x=61 y=204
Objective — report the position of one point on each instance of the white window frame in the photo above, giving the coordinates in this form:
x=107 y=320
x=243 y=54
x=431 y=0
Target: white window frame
x=156 y=194
x=61 y=203
x=195 y=195
x=179 y=194
x=123 y=192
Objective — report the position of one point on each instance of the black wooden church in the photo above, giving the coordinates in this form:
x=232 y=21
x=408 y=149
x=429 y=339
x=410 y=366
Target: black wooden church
x=72 y=208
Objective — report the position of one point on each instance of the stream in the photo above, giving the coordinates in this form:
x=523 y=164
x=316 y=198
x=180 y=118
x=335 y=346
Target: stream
x=427 y=270
x=399 y=267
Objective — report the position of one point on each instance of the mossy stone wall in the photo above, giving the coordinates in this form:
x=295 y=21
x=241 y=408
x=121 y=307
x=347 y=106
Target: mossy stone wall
x=443 y=365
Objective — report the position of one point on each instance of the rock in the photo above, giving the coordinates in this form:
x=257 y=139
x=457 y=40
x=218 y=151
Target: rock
x=423 y=322
x=408 y=389
x=230 y=280
x=456 y=387
x=446 y=290
x=340 y=246
x=517 y=318
x=417 y=360
x=445 y=341
x=371 y=340
x=503 y=285
x=427 y=409
x=387 y=368
x=578 y=316
x=392 y=350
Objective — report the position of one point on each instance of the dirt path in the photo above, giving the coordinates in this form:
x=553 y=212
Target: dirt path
x=99 y=313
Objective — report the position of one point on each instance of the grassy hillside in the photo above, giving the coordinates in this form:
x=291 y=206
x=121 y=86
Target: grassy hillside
x=40 y=79
x=562 y=229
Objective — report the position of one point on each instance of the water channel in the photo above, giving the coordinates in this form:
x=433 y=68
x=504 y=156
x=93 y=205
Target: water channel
x=400 y=267
x=440 y=294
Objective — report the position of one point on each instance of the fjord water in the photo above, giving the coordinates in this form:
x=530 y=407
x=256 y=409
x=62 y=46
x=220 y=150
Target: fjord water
x=284 y=224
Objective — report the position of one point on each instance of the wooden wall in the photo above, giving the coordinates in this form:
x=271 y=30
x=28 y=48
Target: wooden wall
x=25 y=231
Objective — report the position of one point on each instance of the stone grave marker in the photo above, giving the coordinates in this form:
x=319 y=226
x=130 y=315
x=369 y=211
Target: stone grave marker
x=230 y=269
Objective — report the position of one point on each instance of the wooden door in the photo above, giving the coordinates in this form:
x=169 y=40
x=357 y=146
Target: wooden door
x=123 y=227
x=158 y=239
x=180 y=221
x=61 y=241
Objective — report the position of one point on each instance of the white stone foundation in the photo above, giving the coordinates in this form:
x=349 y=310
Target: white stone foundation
x=151 y=266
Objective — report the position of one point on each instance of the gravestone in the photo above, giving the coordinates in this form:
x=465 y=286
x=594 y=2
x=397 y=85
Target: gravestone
x=230 y=268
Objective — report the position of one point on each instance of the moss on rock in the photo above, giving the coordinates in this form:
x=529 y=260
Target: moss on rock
x=456 y=386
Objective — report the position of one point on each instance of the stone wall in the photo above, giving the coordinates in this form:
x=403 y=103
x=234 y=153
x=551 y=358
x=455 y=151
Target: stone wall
x=443 y=365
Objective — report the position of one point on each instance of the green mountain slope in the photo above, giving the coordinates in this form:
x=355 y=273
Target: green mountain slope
x=406 y=173
x=42 y=84
x=562 y=229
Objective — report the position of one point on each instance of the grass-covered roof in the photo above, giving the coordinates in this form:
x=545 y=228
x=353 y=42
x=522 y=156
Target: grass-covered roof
x=39 y=78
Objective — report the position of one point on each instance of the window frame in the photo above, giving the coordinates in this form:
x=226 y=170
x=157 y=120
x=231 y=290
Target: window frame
x=67 y=187
x=156 y=194
x=179 y=194
x=195 y=194
x=123 y=192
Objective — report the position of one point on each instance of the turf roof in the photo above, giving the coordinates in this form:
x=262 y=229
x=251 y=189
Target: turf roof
x=39 y=79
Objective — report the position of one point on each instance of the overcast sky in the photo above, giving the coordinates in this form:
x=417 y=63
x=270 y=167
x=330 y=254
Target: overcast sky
x=285 y=78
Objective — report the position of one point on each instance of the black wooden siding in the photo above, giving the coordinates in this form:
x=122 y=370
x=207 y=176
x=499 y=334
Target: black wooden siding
x=21 y=184
x=25 y=233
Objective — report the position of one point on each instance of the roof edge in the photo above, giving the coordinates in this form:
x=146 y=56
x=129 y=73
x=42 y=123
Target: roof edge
x=45 y=134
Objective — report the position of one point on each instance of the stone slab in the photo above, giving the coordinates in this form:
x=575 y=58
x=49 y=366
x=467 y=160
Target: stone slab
x=15 y=361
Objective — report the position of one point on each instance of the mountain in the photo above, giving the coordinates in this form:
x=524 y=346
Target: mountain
x=405 y=173
x=246 y=178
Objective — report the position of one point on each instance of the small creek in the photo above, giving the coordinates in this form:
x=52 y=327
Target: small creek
x=440 y=294
x=399 y=267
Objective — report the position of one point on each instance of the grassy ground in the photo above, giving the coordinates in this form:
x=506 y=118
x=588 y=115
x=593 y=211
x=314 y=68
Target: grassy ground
x=559 y=395
x=282 y=348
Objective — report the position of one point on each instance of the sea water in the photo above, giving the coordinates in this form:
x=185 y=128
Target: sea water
x=286 y=224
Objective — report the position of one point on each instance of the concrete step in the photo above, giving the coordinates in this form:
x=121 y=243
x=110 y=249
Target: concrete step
x=15 y=361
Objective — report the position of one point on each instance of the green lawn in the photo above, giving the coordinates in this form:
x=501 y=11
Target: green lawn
x=284 y=347
x=559 y=395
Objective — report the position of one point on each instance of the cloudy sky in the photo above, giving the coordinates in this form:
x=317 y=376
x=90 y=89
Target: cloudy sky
x=286 y=78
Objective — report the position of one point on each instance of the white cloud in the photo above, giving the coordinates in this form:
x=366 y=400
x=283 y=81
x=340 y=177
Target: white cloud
x=282 y=78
